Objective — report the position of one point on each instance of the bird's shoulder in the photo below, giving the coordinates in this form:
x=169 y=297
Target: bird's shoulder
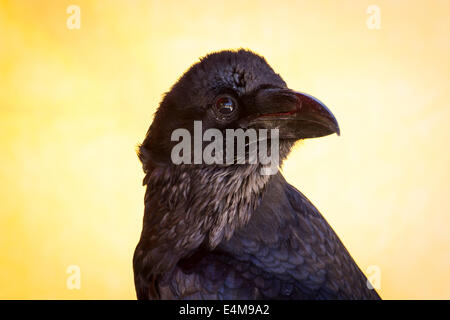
x=288 y=238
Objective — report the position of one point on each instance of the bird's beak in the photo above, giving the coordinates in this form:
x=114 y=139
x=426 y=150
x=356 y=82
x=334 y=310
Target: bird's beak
x=296 y=115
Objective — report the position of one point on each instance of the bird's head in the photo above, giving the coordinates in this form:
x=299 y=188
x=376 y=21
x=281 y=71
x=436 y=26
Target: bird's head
x=234 y=90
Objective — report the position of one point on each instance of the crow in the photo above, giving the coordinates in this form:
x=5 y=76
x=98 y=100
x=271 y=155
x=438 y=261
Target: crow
x=228 y=231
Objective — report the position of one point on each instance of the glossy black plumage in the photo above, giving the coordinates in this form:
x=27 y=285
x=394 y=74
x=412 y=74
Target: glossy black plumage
x=214 y=232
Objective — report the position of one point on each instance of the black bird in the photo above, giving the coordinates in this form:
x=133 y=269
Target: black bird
x=228 y=231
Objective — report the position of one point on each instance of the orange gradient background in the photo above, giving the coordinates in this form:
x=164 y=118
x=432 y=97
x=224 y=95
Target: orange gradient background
x=75 y=103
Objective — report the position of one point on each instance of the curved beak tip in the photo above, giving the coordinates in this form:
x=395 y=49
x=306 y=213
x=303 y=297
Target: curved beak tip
x=317 y=111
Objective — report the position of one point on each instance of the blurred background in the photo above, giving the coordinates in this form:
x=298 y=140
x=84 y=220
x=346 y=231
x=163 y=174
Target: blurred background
x=74 y=103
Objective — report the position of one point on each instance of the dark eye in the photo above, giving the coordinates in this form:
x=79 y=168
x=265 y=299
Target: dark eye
x=225 y=105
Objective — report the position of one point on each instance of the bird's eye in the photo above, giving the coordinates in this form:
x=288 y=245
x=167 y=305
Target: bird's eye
x=225 y=105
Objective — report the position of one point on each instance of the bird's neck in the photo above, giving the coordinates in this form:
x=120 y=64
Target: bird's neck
x=209 y=202
x=192 y=206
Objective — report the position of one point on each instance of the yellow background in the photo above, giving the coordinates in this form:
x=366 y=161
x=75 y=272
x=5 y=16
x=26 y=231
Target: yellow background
x=75 y=103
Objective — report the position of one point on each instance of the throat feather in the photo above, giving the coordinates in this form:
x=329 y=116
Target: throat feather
x=212 y=200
